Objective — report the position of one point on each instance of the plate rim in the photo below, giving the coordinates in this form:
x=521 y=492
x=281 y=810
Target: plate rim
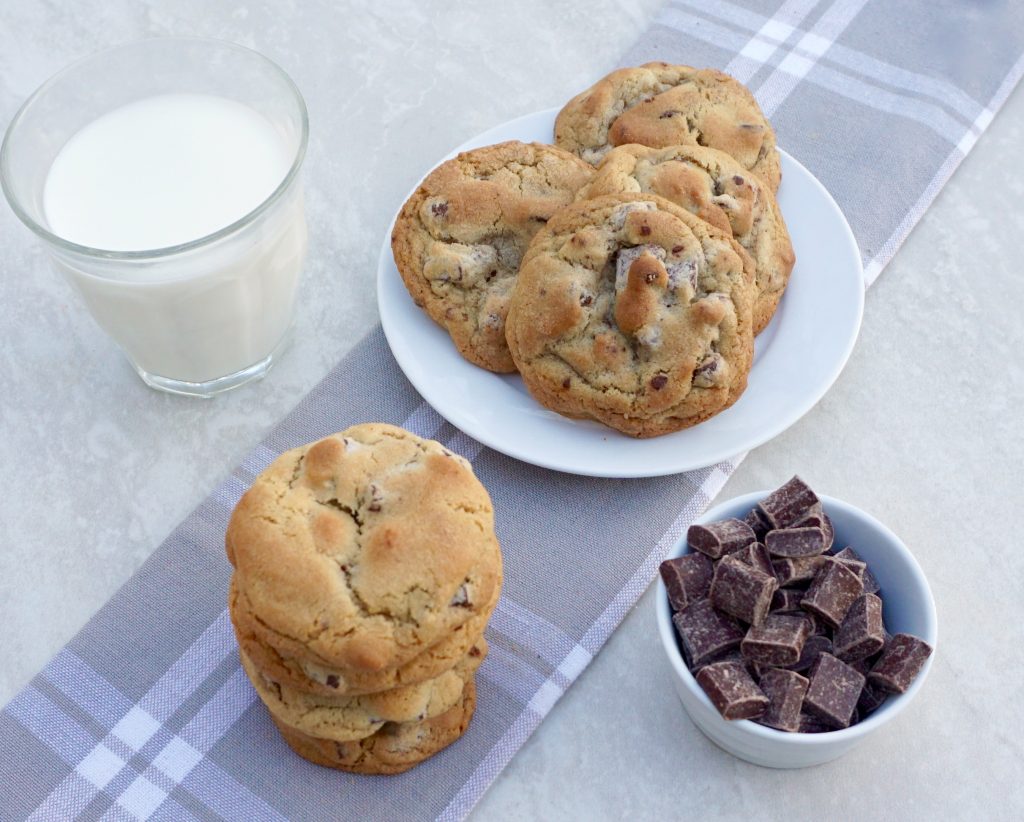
x=766 y=434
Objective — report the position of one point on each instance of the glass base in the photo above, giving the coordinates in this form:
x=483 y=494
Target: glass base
x=211 y=388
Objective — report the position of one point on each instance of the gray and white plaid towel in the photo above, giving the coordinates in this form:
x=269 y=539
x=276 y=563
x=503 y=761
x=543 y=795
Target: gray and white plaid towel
x=147 y=714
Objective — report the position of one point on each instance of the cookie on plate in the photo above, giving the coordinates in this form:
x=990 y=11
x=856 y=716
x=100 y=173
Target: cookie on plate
x=660 y=105
x=365 y=548
x=460 y=237
x=632 y=311
x=347 y=718
x=311 y=675
x=715 y=187
x=395 y=748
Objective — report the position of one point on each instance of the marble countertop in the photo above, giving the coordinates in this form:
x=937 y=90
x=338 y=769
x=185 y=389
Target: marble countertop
x=923 y=428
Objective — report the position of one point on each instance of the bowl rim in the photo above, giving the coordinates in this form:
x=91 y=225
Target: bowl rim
x=894 y=705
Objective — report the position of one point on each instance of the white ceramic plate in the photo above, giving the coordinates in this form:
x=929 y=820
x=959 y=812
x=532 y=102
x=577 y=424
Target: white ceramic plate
x=797 y=357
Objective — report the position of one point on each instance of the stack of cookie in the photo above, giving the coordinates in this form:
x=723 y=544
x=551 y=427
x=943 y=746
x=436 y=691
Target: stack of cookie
x=366 y=568
x=623 y=272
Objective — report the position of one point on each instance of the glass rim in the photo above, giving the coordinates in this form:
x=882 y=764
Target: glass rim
x=164 y=251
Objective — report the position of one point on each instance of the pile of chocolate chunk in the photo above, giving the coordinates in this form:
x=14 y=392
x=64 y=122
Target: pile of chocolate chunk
x=779 y=626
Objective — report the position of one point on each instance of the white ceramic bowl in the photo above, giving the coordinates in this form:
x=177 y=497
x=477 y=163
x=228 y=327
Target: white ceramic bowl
x=908 y=607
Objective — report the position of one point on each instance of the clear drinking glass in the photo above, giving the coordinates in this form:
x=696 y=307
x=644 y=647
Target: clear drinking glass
x=206 y=315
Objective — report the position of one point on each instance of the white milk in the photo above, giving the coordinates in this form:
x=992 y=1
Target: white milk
x=168 y=170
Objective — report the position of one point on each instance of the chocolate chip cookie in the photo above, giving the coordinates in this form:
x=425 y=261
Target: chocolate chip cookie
x=715 y=187
x=460 y=237
x=631 y=311
x=365 y=548
x=347 y=718
x=312 y=675
x=660 y=105
x=395 y=748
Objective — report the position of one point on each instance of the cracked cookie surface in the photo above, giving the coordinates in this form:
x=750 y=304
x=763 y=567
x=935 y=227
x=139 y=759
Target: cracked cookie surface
x=310 y=676
x=660 y=105
x=348 y=718
x=460 y=237
x=631 y=311
x=715 y=187
x=395 y=748
x=363 y=549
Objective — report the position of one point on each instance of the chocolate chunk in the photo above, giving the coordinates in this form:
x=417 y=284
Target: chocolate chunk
x=810 y=521
x=797 y=570
x=861 y=633
x=859 y=568
x=709 y=371
x=719 y=538
x=778 y=641
x=795 y=542
x=787 y=601
x=832 y=592
x=659 y=381
x=731 y=689
x=812 y=725
x=834 y=690
x=756 y=556
x=900 y=663
x=848 y=558
x=742 y=591
x=828 y=530
x=818 y=625
x=815 y=646
x=756 y=520
x=871 y=698
x=814 y=517
x=863 y=666
x=627 y=256
x=817 y=518
x=788 y=504
x=785 y=691
x=680 y=273
x=332 y=681
x=729 y=656
x=687 y=579
x=705 y=632
x=870 y=583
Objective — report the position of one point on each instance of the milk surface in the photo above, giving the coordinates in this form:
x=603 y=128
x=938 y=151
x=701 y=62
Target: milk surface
x=163 y=171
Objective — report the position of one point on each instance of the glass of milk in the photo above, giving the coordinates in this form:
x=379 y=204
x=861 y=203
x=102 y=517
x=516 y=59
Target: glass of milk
x=163 y=177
